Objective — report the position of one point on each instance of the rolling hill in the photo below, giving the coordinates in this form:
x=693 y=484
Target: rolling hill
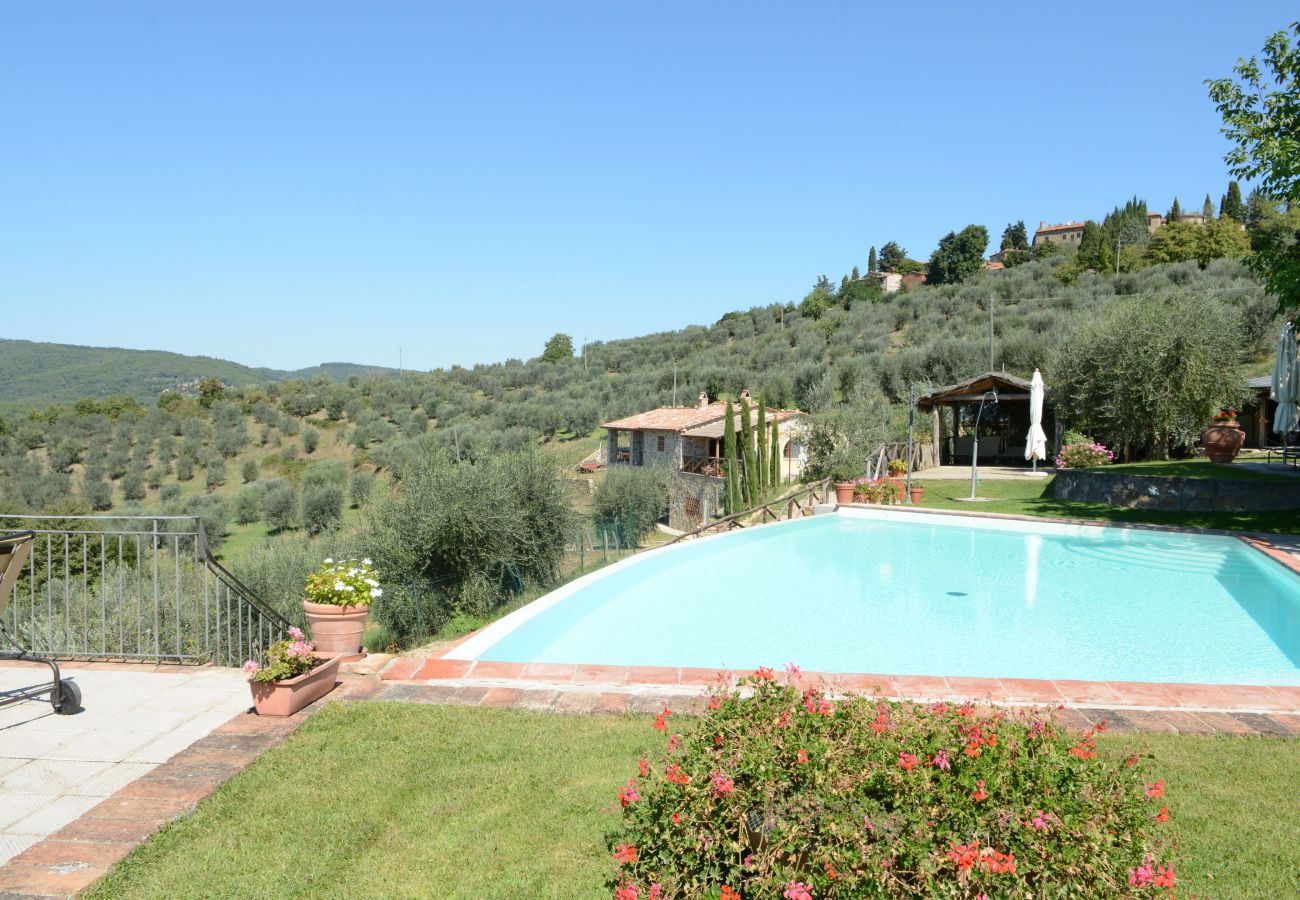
x=39 y=373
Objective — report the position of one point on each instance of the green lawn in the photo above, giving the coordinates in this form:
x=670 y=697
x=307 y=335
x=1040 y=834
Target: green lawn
x=1031 y=497
x=1196 y=468
x=397 y=800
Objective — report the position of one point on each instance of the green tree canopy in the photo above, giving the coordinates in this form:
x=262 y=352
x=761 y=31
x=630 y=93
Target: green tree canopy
x=210 y=391
x=892 y=257
x=1015 y=237
x=558 y=349
x=1175 y=241
x=1231 y=206
x=959 y=255
x=1148 y=373
x=1175 y=212
x=1260 y=107
x=872 y=261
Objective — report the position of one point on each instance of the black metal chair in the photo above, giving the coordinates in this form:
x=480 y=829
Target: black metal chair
x=65 y=696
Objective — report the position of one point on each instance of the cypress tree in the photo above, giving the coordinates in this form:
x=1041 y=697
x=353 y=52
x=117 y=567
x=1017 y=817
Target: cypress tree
x=774 y=455
x=760 y=443
x=1207 y=209
x=871 y=260
x=1175 y=212
x=1232 y=207
x=729 y=485
x=749 y=479
x=856 y=276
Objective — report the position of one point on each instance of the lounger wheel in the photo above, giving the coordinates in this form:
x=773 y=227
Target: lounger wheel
x=67 y=700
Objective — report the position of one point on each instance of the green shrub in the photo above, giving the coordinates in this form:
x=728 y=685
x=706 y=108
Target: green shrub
x=629 y=502
x=279 y=505
x=248 y=471
x=169 y=492
x=787 y=793
x=380 y=639
x=363 y=482
x=248 y=506
x=310 y=440
x=504 y=518
x=322 y=507
x=1084 y=456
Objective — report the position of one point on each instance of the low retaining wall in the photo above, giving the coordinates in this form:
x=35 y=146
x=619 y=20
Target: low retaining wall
x=1175 y=494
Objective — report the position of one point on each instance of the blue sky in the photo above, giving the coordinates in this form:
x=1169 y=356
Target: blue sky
x=293 y=182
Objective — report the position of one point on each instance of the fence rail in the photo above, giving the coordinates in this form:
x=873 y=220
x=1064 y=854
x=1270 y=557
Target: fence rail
x=144 y=588
x=797 y=503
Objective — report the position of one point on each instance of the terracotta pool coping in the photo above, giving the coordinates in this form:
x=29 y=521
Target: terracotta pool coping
x=1132 y=695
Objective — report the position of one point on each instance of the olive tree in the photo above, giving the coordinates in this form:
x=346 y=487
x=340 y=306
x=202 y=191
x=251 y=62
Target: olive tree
x=1147 y=373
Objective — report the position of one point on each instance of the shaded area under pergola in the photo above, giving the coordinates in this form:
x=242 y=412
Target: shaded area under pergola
x=1003 y=426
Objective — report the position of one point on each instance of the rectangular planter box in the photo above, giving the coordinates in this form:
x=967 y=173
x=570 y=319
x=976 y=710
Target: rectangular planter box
x=284 y=698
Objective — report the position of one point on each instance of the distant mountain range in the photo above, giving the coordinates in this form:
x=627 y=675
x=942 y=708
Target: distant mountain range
x=37 y=373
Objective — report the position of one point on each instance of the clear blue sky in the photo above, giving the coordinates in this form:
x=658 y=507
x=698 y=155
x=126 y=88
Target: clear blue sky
x=287 y=183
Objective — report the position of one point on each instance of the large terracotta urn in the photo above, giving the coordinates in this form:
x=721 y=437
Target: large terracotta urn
x=336 y=629
x=844 y=491
x=1222 y=441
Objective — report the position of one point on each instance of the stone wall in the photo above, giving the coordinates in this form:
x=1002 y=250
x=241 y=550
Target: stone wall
x=670 y=455
x=703 y=490
x=1176 y=494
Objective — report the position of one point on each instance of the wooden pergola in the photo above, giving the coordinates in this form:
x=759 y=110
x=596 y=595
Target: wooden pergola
x=1012 y=415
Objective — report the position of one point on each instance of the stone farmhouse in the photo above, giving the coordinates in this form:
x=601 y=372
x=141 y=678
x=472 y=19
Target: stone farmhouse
x=689 y=442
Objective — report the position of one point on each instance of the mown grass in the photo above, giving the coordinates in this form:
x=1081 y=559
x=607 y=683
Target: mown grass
x=1032 y=497
x=1196 y=468
x=395 y=800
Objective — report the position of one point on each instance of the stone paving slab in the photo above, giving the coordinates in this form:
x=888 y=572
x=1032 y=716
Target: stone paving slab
x=55 y=768
x=116 y=805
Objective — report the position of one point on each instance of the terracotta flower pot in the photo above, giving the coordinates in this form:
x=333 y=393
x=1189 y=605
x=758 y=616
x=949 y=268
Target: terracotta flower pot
x=917 y=494
x=1222 y=441
x=336 y=629
x=844 y=492
x=284 y=698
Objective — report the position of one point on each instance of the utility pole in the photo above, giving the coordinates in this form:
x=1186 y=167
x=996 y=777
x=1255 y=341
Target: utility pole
x=399 y=361
x=990 y=332
x=584 y=353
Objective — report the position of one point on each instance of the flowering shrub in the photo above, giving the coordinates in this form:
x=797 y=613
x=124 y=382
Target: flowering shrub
x=881 y=490
x=1225 y=415
x=1084 y=456
x=288 y=659
x=778 y=791
x=897 y=467
x=346 y=583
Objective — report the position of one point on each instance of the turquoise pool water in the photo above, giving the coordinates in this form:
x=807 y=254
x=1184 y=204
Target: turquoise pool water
x=923 y=595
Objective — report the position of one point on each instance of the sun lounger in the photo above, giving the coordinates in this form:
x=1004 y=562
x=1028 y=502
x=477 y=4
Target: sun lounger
x=65 y=696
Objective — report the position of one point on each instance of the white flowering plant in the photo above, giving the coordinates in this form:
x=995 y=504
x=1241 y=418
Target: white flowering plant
x=349 y=582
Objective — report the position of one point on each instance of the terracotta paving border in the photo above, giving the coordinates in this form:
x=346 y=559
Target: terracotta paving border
x=1137 y=695
x=585 y=699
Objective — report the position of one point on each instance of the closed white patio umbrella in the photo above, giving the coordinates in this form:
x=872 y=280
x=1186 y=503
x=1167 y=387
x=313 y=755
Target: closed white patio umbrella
x=1036 y=441
x=1285 y=388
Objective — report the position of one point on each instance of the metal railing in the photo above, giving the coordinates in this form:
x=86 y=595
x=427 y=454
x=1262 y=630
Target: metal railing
x=141 y=588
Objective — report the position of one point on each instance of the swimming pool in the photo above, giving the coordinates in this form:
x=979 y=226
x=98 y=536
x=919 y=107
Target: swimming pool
x=914 y=594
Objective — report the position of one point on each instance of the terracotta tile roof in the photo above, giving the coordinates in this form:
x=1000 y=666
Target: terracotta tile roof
x=1066 y=226
x=717 y=428
x=691 y=419
x=670 y=418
